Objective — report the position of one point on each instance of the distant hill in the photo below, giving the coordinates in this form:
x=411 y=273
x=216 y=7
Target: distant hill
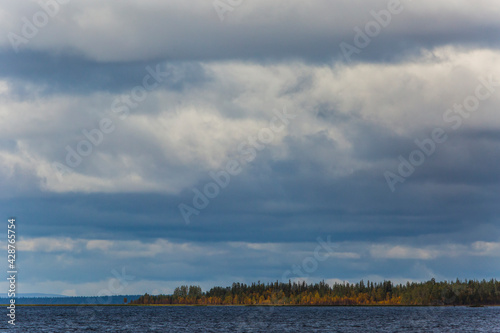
x=4 y=295
x=67 y=300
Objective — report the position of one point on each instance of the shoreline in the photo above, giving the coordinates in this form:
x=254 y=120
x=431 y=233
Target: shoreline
x=261 y=305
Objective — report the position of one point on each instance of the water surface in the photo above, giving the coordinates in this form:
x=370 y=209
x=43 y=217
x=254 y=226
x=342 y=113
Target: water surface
x=254 y=319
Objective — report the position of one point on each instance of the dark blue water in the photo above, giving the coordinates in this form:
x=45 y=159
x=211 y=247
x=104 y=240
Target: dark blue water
x=254 y=319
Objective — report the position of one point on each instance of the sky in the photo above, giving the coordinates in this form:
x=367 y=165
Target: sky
x=148 y=144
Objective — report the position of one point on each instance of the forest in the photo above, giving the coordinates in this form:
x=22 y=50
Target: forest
x=468 y=292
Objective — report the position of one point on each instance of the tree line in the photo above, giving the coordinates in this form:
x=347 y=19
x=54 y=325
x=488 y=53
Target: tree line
x=468 y=292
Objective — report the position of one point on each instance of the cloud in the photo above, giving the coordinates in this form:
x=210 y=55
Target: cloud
x=136 y=267
x=45 y=244
x=486 y=248
x=98 y=244
x=215 y=86
x=258 y=29
x=401 y=252
x=188 y=133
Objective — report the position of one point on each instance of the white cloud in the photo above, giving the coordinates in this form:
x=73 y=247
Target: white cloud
x=177 y=137
x=401 y=252
x=490 y=249
x=49 y=244
x=99 y=244
x=138 y=260
x=4 y=87
x=430 y=252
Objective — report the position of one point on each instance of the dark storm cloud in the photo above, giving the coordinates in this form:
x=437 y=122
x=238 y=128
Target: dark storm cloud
x=291 y=200
x=254 y=32
x=323 y=174
x=75 y=74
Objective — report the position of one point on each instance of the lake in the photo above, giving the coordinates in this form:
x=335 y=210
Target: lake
x=253 y=319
